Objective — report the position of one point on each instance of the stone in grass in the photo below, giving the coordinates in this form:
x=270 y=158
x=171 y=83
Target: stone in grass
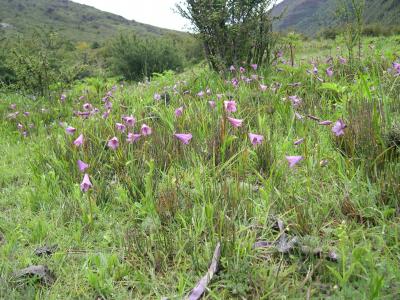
x=46 y=250
x=41 y=272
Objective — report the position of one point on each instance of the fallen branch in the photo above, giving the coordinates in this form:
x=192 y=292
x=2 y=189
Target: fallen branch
x=201 y=286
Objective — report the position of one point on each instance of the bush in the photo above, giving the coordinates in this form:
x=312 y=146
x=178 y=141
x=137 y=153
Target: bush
x=41 y=61
x=232 y=32
x=136 y=58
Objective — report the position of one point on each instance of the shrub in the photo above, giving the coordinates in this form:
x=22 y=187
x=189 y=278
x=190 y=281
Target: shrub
x=232 y=32
x=40 y=62
x=136 y=58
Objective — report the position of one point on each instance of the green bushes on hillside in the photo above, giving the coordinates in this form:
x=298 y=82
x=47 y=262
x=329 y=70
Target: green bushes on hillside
x=368 y=30
x=40 y=63
x=135 y=58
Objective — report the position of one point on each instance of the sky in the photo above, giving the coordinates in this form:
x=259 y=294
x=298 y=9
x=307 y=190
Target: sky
x=159 y=13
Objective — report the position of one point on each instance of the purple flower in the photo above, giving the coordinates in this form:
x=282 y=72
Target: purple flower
x=129 y=121
x=120 y=127
x=184 y=137
x=296 y=101
x=293 y=160
x=157 y=97
x=113 y=143
x=70 y=130
x=342 y=60
x=298 y=142
x=133 y=137
x=212 y=104
x=263 y=87
x=82 y=166
x=26 y=114
x=79 y=141
x=242 y=70
x=325 y=123
x=279 y=54
x=13 y=106
x=86 y=184
x=63 y=97
x=179 y=111
x=329 y=71
x=232 y=68
x=235 y=122
x=108 y=104
x=20 y=126
x=200 y=94
x=315 y=70
x=254 y=66
x=230 y=106
x=106 y=114
x=219 y=96
x=256 y=139
x=87 y=106
x=396 y=68
x=83 y=114
x=145 y=130
x=339 y=127
x=235 y=82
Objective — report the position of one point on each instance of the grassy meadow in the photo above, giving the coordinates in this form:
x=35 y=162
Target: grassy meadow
x=157 y=204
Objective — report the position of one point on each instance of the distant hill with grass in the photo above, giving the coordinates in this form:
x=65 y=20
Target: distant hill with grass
x=312 y=16
x=76 y=22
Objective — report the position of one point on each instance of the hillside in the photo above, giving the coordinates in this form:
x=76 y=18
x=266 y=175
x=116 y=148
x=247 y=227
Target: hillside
x=310 y=16
x=75 y=21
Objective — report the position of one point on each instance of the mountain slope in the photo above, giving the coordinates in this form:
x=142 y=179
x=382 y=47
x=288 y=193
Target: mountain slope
x=310 y=16
x=75 y=21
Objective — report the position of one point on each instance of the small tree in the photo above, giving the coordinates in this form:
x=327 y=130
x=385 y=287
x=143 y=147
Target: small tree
x=232 y=31
x=41 y=62
x=351 y=15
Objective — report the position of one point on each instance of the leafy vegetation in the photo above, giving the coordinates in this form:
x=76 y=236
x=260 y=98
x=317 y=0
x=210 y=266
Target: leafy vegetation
x=128 y=172
x=234 y=31
x=136 y=58
x=156 y=205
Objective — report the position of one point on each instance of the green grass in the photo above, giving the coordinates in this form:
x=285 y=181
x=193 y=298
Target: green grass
x=148 y=227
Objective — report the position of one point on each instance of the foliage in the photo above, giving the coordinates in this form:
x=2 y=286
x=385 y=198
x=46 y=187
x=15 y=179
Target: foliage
x=40 y=62
x=372 y=30
x=157 y=208
x=351 y=16
x=137 y=58
x=232 y=31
